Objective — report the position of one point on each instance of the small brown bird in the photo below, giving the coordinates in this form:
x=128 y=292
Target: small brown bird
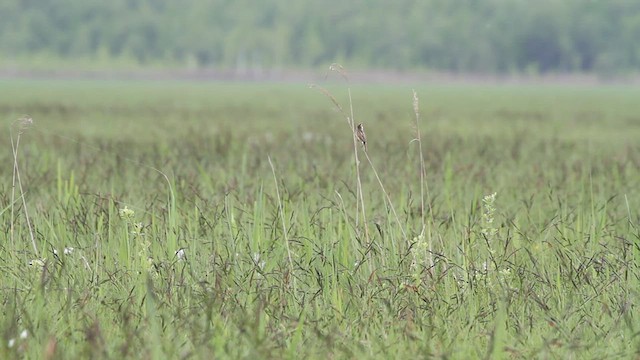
x=361 y=136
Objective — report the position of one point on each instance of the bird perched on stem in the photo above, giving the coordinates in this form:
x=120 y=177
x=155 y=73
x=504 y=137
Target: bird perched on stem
x=361 y=136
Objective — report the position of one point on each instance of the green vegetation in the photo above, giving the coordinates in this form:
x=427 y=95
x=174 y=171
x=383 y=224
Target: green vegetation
x=278 y=262
x=496 y=36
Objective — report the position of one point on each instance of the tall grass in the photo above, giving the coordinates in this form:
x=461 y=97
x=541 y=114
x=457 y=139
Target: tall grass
x=120 y=177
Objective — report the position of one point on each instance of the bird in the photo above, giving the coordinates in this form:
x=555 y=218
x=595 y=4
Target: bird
x=361 y=135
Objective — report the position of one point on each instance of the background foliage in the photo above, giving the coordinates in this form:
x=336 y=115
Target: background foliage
x=497 y=36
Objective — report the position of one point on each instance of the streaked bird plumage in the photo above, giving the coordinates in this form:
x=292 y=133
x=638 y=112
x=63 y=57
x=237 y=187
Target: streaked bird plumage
x=362 y=137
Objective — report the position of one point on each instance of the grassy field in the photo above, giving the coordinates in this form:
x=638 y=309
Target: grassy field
x=258 y=186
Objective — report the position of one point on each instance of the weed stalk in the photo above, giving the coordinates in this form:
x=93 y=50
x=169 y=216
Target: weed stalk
x=22 y=124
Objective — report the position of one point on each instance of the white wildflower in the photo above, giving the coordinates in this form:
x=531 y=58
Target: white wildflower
x=137 y=229
x=488 y=229
x=180 y=254
x=256 y=260
x=39 y=263
x=126 y=213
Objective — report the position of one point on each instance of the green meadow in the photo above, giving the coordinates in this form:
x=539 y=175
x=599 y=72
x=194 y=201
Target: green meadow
x=193 y=220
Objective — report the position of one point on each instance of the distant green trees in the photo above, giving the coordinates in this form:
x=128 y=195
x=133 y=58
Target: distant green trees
x=497 y=36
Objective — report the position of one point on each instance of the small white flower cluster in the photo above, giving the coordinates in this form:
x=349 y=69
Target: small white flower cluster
x=180 y=254
x=37 y=263
x=487 y=276
x=419 y=251
x=258 y=262
x=488 y=228
x=126 y=213
x=67 y=251
x=137 y=229
x=23 y=336
x=129 y=215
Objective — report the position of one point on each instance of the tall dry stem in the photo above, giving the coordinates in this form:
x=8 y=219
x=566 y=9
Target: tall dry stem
x=360 y=208
x=424 y=185
x=386 y=194
x=284 y=225
x=22 y=124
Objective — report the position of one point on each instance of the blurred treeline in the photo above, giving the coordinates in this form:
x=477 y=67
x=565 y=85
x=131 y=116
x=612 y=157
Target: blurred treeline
x=490 y=36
